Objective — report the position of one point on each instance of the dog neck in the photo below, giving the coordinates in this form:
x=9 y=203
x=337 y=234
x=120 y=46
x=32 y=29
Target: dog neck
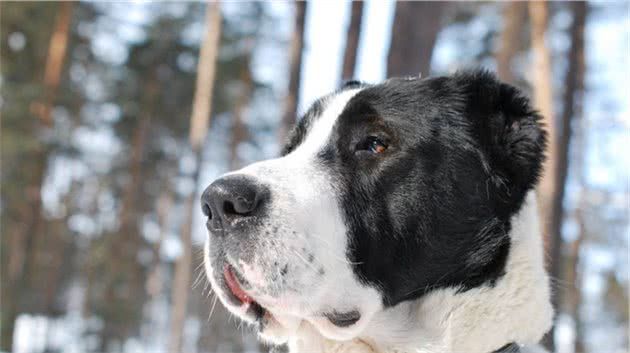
x=515 y=311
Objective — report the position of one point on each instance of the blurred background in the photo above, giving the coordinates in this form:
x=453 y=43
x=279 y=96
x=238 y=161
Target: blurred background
x=116 y=115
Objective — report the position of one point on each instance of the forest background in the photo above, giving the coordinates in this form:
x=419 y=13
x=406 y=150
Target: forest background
x=114 y=116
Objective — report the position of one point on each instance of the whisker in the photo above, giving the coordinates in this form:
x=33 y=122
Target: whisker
x=200 y=276
x=304 y=260
x=208 y=288
x=214 y=303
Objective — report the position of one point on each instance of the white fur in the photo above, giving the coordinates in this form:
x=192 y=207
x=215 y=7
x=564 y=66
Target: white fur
x=481 y=320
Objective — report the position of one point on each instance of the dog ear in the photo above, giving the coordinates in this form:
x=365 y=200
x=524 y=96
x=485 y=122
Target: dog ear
x=347 y=84
x=509 y=129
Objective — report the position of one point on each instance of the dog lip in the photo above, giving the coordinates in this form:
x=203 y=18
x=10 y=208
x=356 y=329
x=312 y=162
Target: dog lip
x=343 y=319
x=233 y=285
x=236 y=296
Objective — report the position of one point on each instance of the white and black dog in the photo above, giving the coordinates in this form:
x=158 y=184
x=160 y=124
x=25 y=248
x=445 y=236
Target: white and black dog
x=401 y=217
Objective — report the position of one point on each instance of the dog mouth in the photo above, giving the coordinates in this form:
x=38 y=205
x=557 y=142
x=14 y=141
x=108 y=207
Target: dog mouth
x=239 y=298
x=233 y=281
x=234 y=286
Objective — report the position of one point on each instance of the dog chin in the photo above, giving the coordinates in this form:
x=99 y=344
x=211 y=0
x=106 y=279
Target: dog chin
x=278 y=325
x=278 y=329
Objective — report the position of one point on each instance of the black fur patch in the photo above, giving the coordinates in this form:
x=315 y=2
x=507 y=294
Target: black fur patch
x=433 y=210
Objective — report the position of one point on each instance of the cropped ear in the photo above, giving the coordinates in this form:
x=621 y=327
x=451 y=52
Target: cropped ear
x=509 y=130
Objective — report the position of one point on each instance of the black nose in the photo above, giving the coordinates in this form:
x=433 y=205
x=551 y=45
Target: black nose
x=231 y=198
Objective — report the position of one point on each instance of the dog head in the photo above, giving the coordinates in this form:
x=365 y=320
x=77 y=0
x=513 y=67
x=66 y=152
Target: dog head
x=384 y=193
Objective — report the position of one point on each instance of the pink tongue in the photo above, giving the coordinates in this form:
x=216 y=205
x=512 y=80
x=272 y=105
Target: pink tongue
x=234 y=287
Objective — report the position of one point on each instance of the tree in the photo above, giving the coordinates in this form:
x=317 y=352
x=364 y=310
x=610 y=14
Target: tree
x=415 y=30
x=24 y=237
x=295 y=67
x=239 y=130
x=543 y=97
x=513 y=21
x=552 y=187
x=572 y=103
x=155 y=277
x=199 y=122
x=124 y=291
x=152 y=93
x=352 y=41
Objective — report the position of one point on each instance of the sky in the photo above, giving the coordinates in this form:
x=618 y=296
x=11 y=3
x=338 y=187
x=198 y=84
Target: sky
x=325 y=41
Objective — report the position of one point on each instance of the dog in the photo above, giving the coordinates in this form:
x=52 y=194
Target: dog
x=401 y=217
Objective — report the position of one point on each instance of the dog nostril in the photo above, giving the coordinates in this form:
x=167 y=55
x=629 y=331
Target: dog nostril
x=232 y=198
x=228 y=208
x=207 y=211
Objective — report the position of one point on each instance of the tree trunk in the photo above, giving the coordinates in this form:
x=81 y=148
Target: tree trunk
x=155 y=278
x=543 y=102
x=573 y=296
x=573 y=96
x=415 y=30
x=124 y=274
x=352 y=41
x=574 y=89
x=199 y=122
x=55 y=59
x=24 y=239
x=543 y=97
x=295 y=66
x=513 y=22
x=239 y=130
x=552 y=187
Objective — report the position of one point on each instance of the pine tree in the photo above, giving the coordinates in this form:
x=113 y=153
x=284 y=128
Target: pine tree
x=199 y=122
x=295 y=67
x=414 y=33
x=352 y=41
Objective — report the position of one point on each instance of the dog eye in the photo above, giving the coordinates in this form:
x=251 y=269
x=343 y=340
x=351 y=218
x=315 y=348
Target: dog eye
x=373 y=145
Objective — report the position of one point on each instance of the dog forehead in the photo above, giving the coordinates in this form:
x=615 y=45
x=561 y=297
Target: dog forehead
x=321 y=126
